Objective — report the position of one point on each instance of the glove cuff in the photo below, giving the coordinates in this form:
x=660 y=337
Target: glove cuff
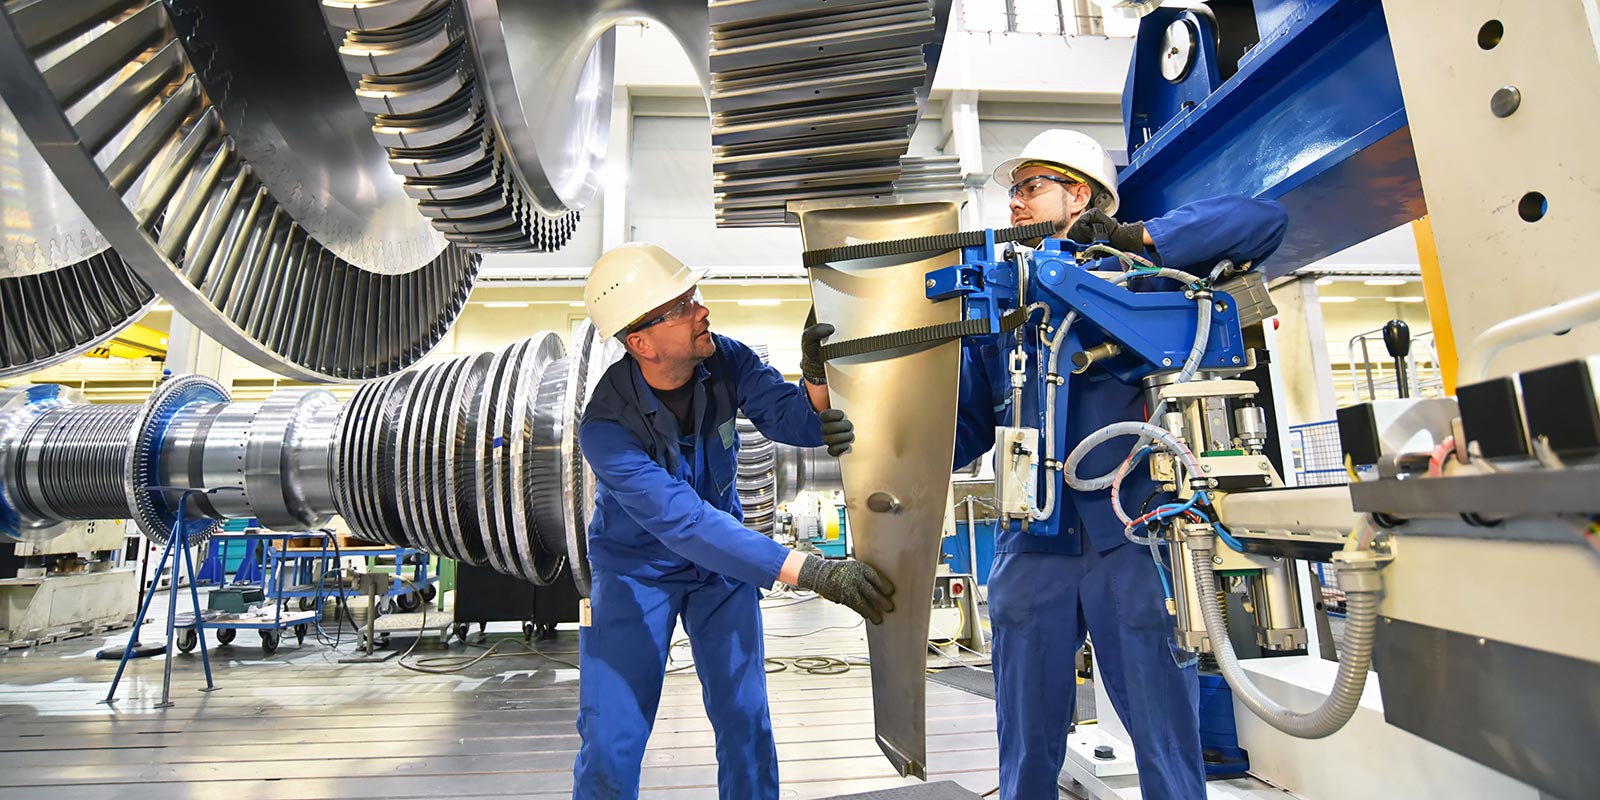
x=1129 y=238
x=812 y=571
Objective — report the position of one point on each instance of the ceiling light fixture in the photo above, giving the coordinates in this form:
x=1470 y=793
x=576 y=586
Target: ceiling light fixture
x=1328 y=298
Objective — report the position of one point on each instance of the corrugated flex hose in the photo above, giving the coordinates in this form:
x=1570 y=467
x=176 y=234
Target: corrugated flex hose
x=1355 y=659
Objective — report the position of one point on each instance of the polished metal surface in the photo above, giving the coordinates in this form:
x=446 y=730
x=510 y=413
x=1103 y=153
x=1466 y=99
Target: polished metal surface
x=1451 y=689
x=42 y=229
x=61 y=290
x=480 y=107
x=287 y=104
x=903 y=403
x=811 y=101
x=132 y=136
x=149 y=500
x=474 y=458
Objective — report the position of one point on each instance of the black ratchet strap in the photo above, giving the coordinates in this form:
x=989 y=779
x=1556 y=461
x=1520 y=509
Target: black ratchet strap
x=923 y=244
x=943 y=332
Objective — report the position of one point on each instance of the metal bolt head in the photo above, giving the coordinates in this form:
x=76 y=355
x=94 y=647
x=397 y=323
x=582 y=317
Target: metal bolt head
x=1263 y=466
x=1221 y=307
x=1205 y=467
x=1235 y=359
x=1166 y=362
x=1483 y=642
x=1212 y=483
x=930 y=283
x=1216 y=559
x=1505 y=101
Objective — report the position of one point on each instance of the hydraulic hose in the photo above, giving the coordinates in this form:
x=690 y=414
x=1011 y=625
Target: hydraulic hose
x=1191 y=365
x=1360 y=627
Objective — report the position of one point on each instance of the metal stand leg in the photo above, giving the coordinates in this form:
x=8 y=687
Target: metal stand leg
x=182 y=543
x=127 y=652
x=194 y=596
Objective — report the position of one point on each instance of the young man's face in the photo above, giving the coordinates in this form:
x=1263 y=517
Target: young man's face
x=683 y=336
x=1040 y=194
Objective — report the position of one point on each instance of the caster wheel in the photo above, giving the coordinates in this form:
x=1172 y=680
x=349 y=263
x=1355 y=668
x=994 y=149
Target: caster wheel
x=408 y=602
x=385 y=606
x=300 y=633
x=308 y=603
x=461 y=631
x=429 y=592
x=187 y=639
x=226 y=635
x=528 y=629
x=269 y=642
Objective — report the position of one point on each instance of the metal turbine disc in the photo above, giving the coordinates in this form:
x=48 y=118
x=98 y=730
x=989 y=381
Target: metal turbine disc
x=460 y=491
x=155 y=511
x=543 y=566
x=485 y=442
x=386 y=456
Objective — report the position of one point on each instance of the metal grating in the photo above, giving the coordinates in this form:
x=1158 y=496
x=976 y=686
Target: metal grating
x=1317 y=454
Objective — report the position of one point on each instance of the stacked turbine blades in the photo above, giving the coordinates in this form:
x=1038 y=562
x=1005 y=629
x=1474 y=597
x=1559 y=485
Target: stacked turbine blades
x=418 y=80
x=811 y=101
x=941 y=174
x=757 y=476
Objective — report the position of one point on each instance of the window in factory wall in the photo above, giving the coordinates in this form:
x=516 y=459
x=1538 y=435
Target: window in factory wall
x=670 y=200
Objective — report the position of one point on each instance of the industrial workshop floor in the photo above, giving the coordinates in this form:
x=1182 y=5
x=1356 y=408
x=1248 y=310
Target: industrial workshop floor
x=300 y=725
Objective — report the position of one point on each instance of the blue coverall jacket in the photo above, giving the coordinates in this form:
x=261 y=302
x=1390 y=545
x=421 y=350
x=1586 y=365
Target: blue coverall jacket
x=666 y=542
x=1047 y=592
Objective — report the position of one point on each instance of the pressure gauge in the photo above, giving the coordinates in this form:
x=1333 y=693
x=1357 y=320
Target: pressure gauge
x=1178 y=50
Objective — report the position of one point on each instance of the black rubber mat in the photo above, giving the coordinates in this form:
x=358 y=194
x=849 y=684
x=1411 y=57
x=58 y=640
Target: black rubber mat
x=982 y=685
x=967 y=680
x=943 y=790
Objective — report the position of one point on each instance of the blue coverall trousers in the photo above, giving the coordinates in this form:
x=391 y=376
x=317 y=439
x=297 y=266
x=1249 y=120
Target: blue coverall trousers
x=1041 y=605
x=624 y=657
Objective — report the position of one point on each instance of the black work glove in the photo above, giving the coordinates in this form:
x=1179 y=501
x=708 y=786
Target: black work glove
x=811 y=352
x=850 y=583
x=837 y=432
x=1094 y=225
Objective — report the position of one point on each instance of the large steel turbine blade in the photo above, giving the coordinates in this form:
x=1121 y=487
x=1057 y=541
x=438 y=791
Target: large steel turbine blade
x=903 y=403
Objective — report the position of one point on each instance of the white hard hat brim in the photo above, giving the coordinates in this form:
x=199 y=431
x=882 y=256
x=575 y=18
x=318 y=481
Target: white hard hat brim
x=1002 y=176
x=682 y=281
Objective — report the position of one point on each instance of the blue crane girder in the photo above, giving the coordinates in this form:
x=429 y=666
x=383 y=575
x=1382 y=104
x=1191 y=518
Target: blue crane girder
x=1313 y=119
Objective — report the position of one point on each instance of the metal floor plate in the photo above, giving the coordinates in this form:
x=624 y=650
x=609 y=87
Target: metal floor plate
x=299 y=725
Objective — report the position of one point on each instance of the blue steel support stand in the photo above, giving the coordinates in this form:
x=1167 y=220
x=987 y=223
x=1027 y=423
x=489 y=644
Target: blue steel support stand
x=179 y=541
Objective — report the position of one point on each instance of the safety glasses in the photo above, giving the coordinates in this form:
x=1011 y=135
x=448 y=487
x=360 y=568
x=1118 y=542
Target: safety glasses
x=1030 y=187
x=680 y=310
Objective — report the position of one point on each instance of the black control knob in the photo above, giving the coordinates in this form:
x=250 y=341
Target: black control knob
x=1397 y=340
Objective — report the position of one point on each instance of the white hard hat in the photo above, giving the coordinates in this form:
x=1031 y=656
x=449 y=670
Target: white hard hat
x=631 y=279
x=1077 y=152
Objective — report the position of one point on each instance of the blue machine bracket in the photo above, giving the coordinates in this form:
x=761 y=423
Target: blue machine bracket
x=1155 y=329
x=1313 y=118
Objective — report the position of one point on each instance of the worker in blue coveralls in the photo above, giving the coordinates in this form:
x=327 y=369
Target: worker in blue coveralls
x=1047 y=592
x=666 y=541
